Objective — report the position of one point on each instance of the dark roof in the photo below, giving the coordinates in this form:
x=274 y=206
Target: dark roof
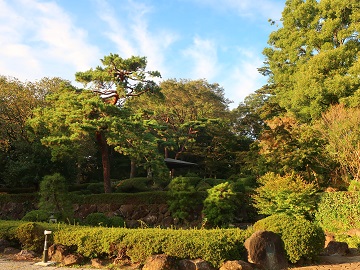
x=175 y=163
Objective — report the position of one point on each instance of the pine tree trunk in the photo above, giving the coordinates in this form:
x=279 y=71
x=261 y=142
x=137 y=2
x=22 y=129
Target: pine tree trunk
x=133 y=169
x=104 y=148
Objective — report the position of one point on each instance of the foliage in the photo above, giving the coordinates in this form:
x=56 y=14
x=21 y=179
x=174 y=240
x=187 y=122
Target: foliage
x=214 y=246
x=31 y=236
x=340 y=126
x=36 y=216
x=312 y=59
x=288 y=194
x=53 y=196
x=101 y=220
x=194 y=117
x=132 y=185
x=182 y=197
x=95 y=188
x=338 y=212
x=354 y=186
x=302 y=239
x=220 y=205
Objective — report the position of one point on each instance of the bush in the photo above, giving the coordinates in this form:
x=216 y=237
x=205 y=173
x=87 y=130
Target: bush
x=220 y=206
x=54 y=196
x=37 y=216
x=139 y=184
x=97 y=219
x=116 y=221
x=288 y=194
x=182 y=197
x=95 y=188
x=302 y=239
x=339 y=211
x=31 y=236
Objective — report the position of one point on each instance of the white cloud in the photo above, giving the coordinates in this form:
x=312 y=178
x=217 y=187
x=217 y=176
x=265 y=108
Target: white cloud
x=248 y=8
x=244 y=78
x=202 y=55
x=39 y=39
x=132 y=35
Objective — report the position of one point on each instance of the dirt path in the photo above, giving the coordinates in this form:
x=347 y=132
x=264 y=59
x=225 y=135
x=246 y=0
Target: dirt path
x=335 y=262
x=326 y=263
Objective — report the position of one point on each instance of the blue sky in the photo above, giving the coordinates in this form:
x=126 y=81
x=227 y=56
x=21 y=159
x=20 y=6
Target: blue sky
x=217 y=40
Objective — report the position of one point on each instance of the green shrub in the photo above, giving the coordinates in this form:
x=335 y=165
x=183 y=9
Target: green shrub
x=288 y=194
x=220 y=205
x=37 y=216
x=31 y=236
x=339 y=211
x=132 y=185
x=302 y=239
x=54 y=196
x=95 y=188
x=116 y=221
x=183 y=183
x=97 y=219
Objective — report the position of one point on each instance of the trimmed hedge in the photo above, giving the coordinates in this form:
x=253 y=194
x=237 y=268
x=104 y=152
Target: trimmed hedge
x=339 y=211
x=214 y=246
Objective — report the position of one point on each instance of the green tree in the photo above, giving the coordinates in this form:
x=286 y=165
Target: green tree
x=313 y=58
x=194 y=117
x=73 y=117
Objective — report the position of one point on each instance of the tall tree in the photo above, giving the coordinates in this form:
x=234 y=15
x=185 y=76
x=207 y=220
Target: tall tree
x=117 y=81
x=313 y=58
x=195 y=116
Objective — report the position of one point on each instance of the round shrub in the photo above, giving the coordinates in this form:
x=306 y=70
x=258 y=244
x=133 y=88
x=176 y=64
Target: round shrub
x=97 y=219
x=95 y=188
x=132 y=185
x=116 y=221
x=31 y=236
x=220 y=205
x=37 y=216
x=302 y=238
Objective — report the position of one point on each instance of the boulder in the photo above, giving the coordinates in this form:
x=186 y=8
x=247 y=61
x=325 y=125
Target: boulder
x=11 y=250
x=160 y=262
x=197 y=264
x=72 y=259
x=4 y=244
x=236 y=265
x=57 y=253
x=266 y=250
x=97 y=263
x=338 y=248
x=25 y=255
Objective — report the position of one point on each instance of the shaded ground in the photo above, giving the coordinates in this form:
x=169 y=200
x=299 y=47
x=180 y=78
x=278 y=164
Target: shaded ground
x=335 y=262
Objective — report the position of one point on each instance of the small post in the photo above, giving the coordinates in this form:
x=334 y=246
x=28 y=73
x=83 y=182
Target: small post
x=45 y=254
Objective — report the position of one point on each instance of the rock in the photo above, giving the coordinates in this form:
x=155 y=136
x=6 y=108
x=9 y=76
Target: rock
x=329 y=237
x=197 y=264
x=339 y=248
x=57 y=253
x=236 y=265
x=160 y=262
x=25 y=255
x=11 y=250
x=266 y=250
x=72 y=259
x=4 y=244
x=97 y=263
